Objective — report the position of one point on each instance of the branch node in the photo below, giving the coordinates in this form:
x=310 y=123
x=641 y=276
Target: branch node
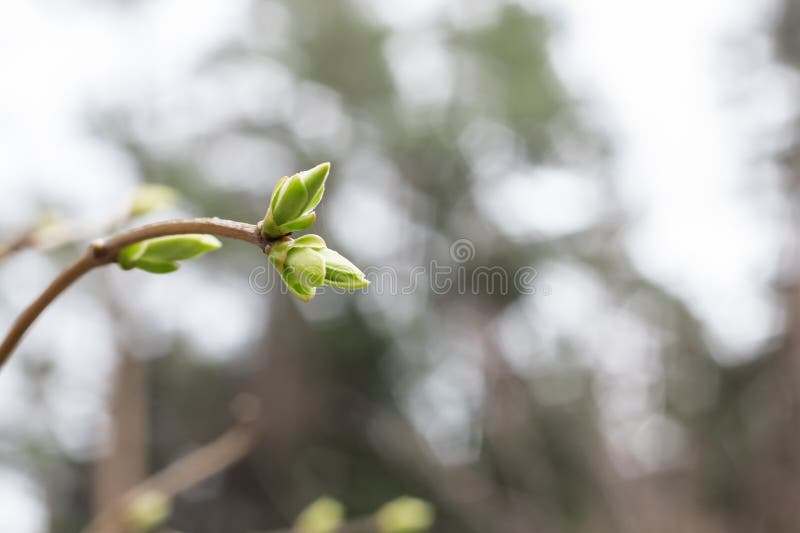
x=265 y=243
x=99 y=249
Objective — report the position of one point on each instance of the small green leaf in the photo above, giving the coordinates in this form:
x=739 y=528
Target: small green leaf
x=302 y=268
x=278 y=252
x=291 y=201
x=269 y=228
x=180 y=247
x=307 y=265
x=341 y=273
x=127 y=256
x=297 y=287
x=160 y=255
x=314 y=180
x=309 y=241
x=315 y=200
x=157 y=267
x=325 y=515
x=276 y=192
x=299 y=223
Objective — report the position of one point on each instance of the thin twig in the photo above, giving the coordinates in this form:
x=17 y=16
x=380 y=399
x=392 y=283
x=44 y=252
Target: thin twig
x=213 y=226
x=84 y=264
x=59 y=233
x=104 y=251
x=19 y=243
x=192 y=469
x=50 y=237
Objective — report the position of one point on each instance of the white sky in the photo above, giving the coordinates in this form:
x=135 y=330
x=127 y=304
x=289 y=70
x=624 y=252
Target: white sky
x=656 y=75
x=708 y=223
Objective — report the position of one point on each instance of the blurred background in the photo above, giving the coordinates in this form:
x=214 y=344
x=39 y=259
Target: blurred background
x=638 y=160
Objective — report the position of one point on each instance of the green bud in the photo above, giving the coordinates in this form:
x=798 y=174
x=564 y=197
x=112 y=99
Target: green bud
x=129 y=255
x=341 y=273
x=309 y=241
x=276 y=193
x=150 y=197
x=405 y=515
x=148 y=510
x=302 y=267
x=325 y=515
x=291 y=202
x=155 y=266
x=307 y=263
x=314 y=180
x=161 y=255
x=300 y=223
x=279 y=251
x=291 y=207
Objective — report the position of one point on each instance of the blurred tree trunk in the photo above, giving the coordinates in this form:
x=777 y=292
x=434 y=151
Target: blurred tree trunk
x=125 y=465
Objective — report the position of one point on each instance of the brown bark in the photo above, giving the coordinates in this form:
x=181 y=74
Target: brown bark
x=125 y=465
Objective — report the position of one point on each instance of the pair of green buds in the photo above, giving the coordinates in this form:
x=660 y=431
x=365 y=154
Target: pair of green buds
x=304 y=264
x=403 y=515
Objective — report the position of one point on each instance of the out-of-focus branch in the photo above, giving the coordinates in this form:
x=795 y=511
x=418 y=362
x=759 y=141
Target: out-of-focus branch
x=52 y=232
x=104 y=251
x=21 y=242
x=192 y=469
x=47 y=237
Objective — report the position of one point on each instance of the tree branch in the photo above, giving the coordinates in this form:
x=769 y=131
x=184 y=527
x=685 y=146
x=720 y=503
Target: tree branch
x=104 y=251
x=192 y=469
x=46 y=238
x=19 y=243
